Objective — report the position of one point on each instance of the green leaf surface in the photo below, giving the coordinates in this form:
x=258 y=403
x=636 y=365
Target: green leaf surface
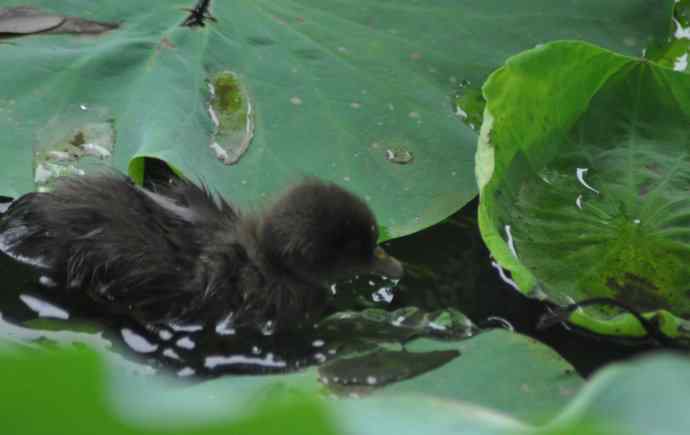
x=360 y=93
x=674 y=51
x=67 y=394
x=647 y=396
x=534 y=382
x=584 y=183
x=72 y=392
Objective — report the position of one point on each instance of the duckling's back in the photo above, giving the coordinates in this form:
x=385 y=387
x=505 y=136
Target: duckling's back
x=132 y=250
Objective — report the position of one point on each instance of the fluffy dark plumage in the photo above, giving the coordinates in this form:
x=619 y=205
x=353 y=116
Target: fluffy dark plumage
x=180 y=254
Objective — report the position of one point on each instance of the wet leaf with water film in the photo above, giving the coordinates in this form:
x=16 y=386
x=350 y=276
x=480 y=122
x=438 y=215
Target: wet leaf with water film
x=362 y=93
x=584 y=183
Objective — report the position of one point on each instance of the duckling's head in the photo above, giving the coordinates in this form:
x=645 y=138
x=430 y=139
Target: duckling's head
x=321 y=233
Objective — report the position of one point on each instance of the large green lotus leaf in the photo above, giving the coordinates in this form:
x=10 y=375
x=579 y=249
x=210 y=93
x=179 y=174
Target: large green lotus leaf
x=584 y=182
x=66 y=392
x=358 y=92
x=73 y=393
x=534 y=383
x=647 y=396
x=674 y=51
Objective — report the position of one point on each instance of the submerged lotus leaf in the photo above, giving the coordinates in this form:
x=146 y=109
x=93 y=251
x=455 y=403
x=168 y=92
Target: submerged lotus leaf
x=584 y=183
x=399 y=325
x=617 y=399
x=360 y=93
x=379 y=368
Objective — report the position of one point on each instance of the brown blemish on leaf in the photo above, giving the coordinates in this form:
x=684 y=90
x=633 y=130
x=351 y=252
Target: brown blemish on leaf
x=638 y=292
x=27 y=20
x=653 y=167
x=84 y=27
x=309 y=53
x=644 y=189
x=566 y=392
x=261 y=41
x=167 y=43
x=78 y=139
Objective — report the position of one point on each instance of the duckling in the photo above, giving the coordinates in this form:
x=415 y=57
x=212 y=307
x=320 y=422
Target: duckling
x=178 y=253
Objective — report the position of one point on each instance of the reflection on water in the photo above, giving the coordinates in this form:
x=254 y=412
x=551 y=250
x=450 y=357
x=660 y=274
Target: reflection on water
x=43 y=308
x=12 y=335
x=45 y=313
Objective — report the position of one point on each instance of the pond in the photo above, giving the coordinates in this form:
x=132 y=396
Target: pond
x=447 y=267
x=568 y=119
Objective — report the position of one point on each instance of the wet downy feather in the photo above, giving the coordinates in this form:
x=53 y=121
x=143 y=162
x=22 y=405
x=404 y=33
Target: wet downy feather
x=179 y=253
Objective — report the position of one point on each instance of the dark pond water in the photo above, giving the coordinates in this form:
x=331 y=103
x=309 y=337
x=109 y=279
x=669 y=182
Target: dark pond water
x=447 y=266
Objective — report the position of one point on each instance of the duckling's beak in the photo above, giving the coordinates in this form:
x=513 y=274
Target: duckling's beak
x=386 y=265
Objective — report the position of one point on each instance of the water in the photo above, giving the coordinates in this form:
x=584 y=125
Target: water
x=232 y=113
x=71 y=141
x=468 y=104
x=400 y=155
x=447 y=266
